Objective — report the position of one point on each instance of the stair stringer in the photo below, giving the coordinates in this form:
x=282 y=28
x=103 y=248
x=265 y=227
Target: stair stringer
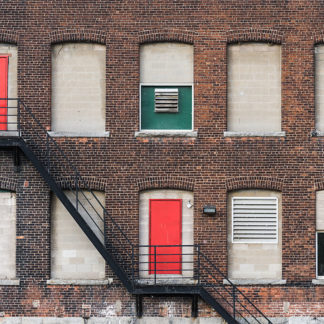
x=76 y=215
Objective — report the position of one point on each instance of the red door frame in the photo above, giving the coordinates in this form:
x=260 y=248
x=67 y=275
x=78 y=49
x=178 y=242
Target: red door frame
x=164 y=263
x=4 y=61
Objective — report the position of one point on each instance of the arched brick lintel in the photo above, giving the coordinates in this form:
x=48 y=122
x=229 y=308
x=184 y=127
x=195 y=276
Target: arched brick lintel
x=149 y=36
x=254 y=35
x=8 y=36
x=8 y=183
x=318 y=37
x=92 y=183
x=254 y=183
x=86 y=35
x=319 y=185
x=165 y=183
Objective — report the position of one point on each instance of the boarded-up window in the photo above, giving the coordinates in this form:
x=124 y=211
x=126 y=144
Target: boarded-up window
x=7 y=235
x=320 y=232
x=166 y=75
x=78 y=88
x=254 y=88
x=319 y=87
x=254 y=234
x=73 y=255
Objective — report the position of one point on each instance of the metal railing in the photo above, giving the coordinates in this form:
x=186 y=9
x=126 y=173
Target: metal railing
x=61 y=168
x=227 y=294
x=188 y=265
x=9 y=116
x=159 y=263
x=143 y=264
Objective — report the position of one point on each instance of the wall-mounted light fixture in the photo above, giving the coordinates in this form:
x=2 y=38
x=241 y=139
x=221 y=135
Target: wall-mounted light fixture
x=209 y=210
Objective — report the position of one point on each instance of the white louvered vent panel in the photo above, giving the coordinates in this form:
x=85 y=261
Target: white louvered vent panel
x=166 y=100
x=255 y=220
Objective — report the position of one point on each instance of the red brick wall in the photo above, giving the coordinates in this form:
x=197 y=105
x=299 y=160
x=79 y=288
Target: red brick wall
x=210 y=164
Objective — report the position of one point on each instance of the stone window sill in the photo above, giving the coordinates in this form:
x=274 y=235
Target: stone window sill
x=245 y=282
x=317 y=133
x=80 y=282
x=254 y=134
x=9 y=133
x=166 y=133
x=76 y=134
x=9 y=282
x=318 y=281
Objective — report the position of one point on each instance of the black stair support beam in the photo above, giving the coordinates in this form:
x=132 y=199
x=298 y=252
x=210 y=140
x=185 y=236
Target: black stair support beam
x=9 y=141
x=139 y=305
x=188 y=291
x=194 y=306
x=75 y=214
x=16 y=158
x=166 y=290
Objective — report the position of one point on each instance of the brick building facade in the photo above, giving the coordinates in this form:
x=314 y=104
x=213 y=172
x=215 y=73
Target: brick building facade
x=246 y=131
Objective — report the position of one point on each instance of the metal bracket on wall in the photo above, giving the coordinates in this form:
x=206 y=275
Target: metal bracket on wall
x=194 y=306
x=139 y=305
x=16 y=158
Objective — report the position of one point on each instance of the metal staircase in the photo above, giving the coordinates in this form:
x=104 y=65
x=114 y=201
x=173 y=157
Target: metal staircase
x=137 y=267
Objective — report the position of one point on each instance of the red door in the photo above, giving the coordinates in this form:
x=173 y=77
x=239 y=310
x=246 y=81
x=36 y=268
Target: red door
x=3 y=91
x=165 y=229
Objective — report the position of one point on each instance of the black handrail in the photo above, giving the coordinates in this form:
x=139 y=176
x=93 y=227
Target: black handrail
x=204 y=274
x=239 y=292
x=50 y=153
x=67 y=160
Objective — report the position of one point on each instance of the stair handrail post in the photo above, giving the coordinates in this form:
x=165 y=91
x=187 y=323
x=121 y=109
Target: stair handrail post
x=133 y=279
x=48 y=153
x=155 y=264
x=18 y=118
x=198 y=264
x=76 y=191
x=233 y=286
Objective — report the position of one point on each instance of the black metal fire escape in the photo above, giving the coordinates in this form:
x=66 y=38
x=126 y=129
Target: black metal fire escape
x=137 y=267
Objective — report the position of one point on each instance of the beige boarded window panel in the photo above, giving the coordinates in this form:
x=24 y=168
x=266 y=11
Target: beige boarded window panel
x=8 y=235
x=254 y=259
x=319 y=87
x=166 y=63
x=78 y=88
x=320 y=210
x=254 y=220
x=73 y=257
x=254 y=88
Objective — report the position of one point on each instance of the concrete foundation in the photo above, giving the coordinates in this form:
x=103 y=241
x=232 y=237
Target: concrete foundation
x=146 y=320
